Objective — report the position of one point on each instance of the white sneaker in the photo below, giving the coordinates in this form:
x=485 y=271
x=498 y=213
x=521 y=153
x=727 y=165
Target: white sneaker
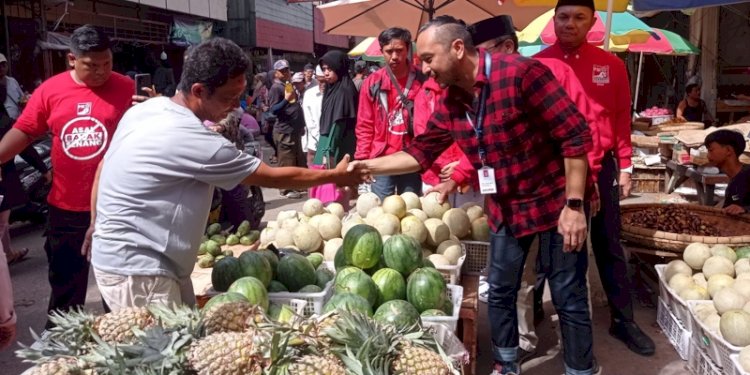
x=483 y=290
x=42 y=341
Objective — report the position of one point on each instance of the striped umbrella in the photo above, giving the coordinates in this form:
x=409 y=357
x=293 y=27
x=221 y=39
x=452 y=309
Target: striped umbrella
x=660 y=42
x=618 y=5
x=626 y=29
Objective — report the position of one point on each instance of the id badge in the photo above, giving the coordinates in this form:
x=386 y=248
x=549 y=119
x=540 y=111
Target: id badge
x=487 y=184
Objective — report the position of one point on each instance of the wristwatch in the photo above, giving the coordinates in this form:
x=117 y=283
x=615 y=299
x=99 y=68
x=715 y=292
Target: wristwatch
x=574 y=204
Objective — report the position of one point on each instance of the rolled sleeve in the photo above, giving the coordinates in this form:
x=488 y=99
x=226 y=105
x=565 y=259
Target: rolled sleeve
x=547 y=100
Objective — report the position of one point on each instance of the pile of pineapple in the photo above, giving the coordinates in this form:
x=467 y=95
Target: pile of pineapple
x=232 y=338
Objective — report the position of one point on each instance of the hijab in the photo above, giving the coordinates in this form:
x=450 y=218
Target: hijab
x=341 y=98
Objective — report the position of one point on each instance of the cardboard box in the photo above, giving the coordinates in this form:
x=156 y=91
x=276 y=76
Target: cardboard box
x=681 y=154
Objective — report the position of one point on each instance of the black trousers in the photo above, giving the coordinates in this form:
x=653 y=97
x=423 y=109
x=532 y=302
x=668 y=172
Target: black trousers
x=68 y=269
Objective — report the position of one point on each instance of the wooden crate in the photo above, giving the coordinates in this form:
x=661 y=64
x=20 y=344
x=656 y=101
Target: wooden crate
x=648 y=179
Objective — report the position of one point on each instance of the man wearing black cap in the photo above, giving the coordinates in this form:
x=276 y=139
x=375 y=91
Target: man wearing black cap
x=498 y=34
x=605 y=80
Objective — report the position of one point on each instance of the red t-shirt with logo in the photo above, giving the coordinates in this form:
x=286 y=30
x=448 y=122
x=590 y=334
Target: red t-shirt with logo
x=82 y=121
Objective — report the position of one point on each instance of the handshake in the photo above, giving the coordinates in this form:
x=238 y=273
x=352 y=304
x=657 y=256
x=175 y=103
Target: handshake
x=351 y=173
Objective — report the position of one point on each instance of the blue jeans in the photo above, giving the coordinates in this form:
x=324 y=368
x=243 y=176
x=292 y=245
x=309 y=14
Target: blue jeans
x=388 y=185
x=567 y=278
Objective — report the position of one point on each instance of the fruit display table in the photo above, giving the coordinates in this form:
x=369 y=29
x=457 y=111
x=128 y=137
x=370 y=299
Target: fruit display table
x=467 y=329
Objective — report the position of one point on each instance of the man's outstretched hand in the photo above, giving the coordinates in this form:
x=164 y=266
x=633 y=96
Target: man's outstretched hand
x=351 y=173
x=360 y=167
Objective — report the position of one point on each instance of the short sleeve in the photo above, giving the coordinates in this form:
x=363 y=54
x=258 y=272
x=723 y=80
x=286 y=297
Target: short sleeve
x=33 y=119
x=227 y=167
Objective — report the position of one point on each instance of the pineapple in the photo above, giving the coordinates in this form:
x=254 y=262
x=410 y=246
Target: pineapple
x=229 y=353
x=231 y=317
x=414 y=360
x=317 y=365
x=117 y=327
x=58 y=366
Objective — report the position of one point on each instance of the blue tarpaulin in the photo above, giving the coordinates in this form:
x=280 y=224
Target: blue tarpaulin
x=646 y=5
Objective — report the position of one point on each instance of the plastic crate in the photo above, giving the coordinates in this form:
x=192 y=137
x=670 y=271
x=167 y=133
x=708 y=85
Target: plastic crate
x=678 y=335
x=315 y=301
x=738 y=370
x=676 y=305
x=715 y=346
x=456 y=294
x=477 y=257
x=452 y=274
x=700 y=364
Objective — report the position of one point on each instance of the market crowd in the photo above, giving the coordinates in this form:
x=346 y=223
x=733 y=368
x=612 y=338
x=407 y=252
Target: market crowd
x=543 y=143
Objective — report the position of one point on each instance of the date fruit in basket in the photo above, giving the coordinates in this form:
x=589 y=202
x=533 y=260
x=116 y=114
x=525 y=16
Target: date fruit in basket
x=674 y=220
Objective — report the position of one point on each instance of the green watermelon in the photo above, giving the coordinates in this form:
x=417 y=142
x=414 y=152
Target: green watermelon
x=225 y=272
x=339 y=260
x=348 y=302
x=448 y=305
x=381 y=264
x=213 y=229
x=434 y=312
x=316 y=259
x=345 y=272
x=363 y=246
x=280 y=313
x=324 y=276
x=427 y=263
x=743 y=252
x=402 y=253
x=223 y=298
x=398 y=313
x=256 y=265
x=295 y=272
x=359 y=283
x=391 y=285
x=310 y=289
x=426 y=289
x=276 y=287
x=253 y=289
x=272 y=259
x=213 y=248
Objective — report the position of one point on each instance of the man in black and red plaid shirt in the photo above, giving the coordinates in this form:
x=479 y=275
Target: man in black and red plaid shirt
x=531 y=136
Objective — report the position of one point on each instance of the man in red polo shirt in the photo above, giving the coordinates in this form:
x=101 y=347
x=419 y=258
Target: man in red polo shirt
x=605 y=80
x=385 y=115
x=528 y=142
x=80 y=108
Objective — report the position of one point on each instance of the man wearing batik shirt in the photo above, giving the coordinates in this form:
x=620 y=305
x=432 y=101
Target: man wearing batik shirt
x=528 y=142
x=605 y=80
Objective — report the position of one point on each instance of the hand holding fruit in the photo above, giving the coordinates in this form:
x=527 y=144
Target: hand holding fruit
x=444 y=188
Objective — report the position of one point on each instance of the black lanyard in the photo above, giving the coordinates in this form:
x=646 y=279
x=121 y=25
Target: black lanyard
x=478 y=127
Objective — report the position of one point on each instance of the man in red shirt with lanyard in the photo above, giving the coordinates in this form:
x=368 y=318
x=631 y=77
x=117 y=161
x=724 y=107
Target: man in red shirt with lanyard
x=605 y=80
x=528 y=143
x=385 y=113
x=80 y=108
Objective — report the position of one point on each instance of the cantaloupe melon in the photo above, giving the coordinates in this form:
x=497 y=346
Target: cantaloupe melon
x=273 y=224
x=288 y=214
x=411 y=200
x=267 y=235
x=336 y=209
x=437 y=231
x=289 y=224
x=744 y=358
x=735 y=327
x=285 y=238
x=680 y=281
x=719 y=282
x=329 y=226
x=373 y=215
x=458 y=222
x=303 y=218
x=728 y=299
x=724 y=251
x=696 y=254
x=439 y=260
x=432 y=207
x=451 y=250
x=702 y=311
x=419 y=214
x=414 y=228
x=474 y=212
x=718 y=265
x=480 y=230
x=315 y=221
x=387 y=224
x=743 y=276
x=307 y=238
x=700 y=280
x=746 y=308
x=677 y=266
x=694 y=293
x=742 y=287
x=312 y=207
x=712 y=322
x=394 y=205
x=742 y=266
x=366 y=202
x=331 y=247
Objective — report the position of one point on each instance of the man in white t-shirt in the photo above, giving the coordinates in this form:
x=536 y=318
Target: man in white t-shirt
x=153 y=189
x=312 y=104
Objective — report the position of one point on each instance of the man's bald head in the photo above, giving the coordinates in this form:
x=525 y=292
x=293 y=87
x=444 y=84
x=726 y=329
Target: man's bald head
x=446 y=29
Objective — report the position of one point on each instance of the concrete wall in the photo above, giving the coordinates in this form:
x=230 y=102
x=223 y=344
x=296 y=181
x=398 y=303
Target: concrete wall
x=213 y=9
x=295 y=15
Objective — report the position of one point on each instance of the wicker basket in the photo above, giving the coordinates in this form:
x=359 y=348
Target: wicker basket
x=673 y=128
x=739 y=226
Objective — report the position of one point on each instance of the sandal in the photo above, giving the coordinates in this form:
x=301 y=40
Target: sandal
x=18 y=255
